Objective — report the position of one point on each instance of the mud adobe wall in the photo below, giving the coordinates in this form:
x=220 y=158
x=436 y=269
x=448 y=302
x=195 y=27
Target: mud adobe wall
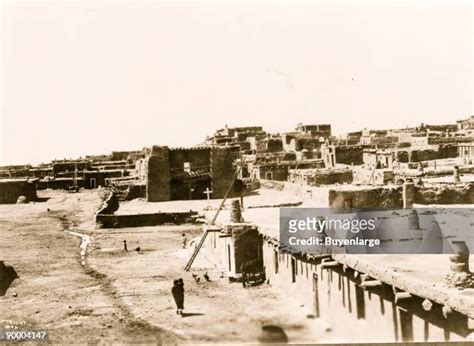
x=10 y=190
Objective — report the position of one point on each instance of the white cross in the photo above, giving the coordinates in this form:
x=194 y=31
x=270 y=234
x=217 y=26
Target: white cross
x=208 y=193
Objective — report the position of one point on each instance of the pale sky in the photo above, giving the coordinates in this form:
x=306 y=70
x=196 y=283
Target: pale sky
x=89 y=78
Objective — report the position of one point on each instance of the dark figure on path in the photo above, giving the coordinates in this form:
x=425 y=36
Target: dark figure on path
x=185 y=241
x=178 y=295
x=125 y=246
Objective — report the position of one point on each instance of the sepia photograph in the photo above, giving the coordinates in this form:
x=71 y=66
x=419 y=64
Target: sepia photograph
x=236 y=172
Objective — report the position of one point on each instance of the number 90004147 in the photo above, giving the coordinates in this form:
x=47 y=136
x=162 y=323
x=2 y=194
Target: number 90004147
x=18 y=335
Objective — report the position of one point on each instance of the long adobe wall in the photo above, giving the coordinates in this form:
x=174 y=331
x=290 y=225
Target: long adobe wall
x=393 y=196
x=337 y=298
x=337 y=292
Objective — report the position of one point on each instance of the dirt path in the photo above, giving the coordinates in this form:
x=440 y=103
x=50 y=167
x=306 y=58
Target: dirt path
x=215 y=311
x=55 y=292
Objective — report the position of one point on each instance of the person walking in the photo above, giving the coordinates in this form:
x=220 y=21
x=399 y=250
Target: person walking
x=184 y=240
x=178 y=295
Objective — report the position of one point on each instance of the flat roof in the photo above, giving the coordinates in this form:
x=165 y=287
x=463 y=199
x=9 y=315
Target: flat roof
x=11 y=180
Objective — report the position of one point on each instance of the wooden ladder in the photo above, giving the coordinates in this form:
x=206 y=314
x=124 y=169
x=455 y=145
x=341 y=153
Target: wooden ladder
x=213 y=221
x=196 y=250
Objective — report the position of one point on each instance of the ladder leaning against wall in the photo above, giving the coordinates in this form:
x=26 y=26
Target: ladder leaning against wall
x=213 y=220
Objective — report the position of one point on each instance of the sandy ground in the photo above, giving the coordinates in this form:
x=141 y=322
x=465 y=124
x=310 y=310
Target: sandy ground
x=114 y=296
x=125 y=296
x=55 y=292
x=215 y=311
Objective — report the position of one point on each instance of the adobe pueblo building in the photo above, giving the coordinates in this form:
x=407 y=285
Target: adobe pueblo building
x=186 y=173
x=12 y=189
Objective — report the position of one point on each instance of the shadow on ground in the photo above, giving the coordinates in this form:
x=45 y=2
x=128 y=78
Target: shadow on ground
x=7 y=276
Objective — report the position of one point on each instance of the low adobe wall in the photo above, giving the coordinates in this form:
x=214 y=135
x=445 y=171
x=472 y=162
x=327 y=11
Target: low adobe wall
x=445 y=194
x=141 y=220
x=445 y=151
x=330 y=177
x=59 y=183
x=443 y=172
x=392 y=197
x=11 y=189
x=110 y=205
x=369 y=197
x=377 y=176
